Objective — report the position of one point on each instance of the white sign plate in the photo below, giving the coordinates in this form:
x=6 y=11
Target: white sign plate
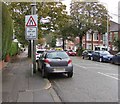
x=31 y=27
x=31 y=33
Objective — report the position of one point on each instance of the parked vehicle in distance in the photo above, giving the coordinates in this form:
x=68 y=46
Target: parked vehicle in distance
x=71 y=53
x=116 y=59
x=102 y=48
x=55 y=62
x=86 y=54
x=101 y=56
x=39 y=53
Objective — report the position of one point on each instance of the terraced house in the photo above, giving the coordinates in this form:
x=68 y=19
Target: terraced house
x=102 y=39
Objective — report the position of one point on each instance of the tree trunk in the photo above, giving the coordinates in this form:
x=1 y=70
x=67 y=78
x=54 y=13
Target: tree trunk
x=63 y=43
x=80 y=43
x=80 y=46
x=92 y=40
x=29 y=49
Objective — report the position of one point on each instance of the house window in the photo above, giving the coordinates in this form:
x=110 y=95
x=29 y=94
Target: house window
x=88 y=36
x=89 y=46
x=95 y=35
x=116 y=35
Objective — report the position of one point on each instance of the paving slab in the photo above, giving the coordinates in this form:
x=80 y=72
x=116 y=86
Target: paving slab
x=18 y=85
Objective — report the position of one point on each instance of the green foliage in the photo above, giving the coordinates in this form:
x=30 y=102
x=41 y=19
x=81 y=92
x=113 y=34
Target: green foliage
x=14 y=49
x=7 y=31
x=54 y=10
x=53 y=42
x=79 y=51
x=18 y=11
x=117 y=44
x=88 y=16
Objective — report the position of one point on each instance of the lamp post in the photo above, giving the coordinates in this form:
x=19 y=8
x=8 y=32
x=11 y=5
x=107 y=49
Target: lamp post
x=33 y=42
x=107 y=33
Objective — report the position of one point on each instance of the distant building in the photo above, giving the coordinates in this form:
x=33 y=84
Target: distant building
x=89 y=41
x=102 y=39
x=114 y=33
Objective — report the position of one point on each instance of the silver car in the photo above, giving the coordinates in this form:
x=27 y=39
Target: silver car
x=55 y=62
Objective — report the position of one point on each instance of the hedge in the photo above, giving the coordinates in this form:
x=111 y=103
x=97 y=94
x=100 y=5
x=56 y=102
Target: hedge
x=7 y=31
x=14 y=49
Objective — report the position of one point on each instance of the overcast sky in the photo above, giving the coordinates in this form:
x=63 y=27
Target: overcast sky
x=111 y=5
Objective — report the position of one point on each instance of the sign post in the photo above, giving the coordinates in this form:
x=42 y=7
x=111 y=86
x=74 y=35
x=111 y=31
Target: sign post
x=32 y=33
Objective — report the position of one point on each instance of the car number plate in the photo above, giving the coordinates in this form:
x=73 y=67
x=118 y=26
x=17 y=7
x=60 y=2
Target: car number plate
x=59 y=70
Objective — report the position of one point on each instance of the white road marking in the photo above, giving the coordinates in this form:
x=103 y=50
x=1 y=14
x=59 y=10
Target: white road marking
x=91 y=67
x=99 y=68
x=80 y=66
x=108 y=75
x=112 y=74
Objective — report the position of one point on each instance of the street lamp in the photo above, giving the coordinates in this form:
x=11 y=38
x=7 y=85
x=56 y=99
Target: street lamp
x=107 y=40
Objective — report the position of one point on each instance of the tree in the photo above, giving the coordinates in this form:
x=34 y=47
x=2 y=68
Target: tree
x=117 y=44
x=88 y=16
x=54 y=10
x=53 y=42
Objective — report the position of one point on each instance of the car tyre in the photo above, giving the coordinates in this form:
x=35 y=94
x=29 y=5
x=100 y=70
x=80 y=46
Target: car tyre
x=100 y=60
x=89 y=58
x=111 y=61
x=92 y=58
x=70 y=74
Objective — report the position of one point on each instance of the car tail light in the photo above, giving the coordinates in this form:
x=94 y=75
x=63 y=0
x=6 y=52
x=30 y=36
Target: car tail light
x=47 y=61
x=70 y=61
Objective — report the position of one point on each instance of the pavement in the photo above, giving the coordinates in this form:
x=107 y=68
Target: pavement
x=20 y=85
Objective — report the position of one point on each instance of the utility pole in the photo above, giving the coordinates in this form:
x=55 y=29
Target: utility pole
x=33 y=42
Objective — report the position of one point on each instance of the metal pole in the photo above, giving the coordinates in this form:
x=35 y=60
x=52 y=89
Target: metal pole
x=107 y=31
x=107 y=37
x=33 y=54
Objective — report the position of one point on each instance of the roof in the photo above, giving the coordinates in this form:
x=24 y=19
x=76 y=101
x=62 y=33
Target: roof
x=114 y=27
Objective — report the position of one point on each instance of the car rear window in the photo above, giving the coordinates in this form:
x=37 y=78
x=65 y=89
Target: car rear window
x=57 y=54
x=40 y=51
x=105 y=53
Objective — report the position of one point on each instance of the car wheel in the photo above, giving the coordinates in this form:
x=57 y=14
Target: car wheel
x=70 y=74
x=83 y=57
x=112 y=62
x=100 y=59
x=91 y=58
x=44 y=74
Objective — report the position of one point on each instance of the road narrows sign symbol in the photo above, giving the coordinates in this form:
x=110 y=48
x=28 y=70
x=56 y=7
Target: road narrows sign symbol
x=31 y=27
x=31 y=22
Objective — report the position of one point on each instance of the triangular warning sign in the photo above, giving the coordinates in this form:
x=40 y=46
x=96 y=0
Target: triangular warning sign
x=31 y=22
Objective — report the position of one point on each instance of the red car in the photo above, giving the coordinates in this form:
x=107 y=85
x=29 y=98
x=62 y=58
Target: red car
x=71 y=53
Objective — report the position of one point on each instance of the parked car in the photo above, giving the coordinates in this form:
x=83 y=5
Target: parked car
x=39 y=53
x=55 y=62
x=101 y=56
x=116 y=59
x=71 y=53
x=87 y=54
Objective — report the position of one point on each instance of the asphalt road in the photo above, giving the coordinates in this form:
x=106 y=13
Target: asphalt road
x=92 y=82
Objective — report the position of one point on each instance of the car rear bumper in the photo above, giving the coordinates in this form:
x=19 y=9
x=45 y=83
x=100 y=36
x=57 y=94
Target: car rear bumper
x=59 y=69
